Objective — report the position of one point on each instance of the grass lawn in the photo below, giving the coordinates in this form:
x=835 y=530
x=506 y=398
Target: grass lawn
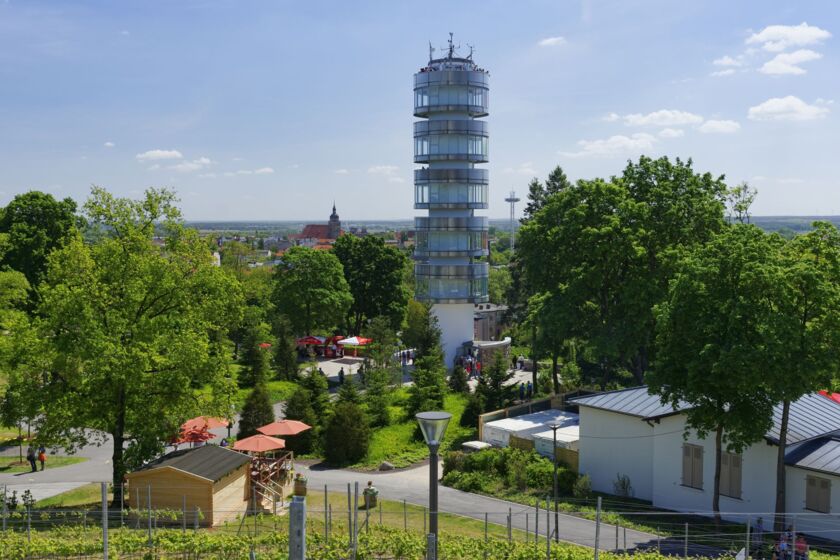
x=397 y=443
x=7 y=464
x=82 y=497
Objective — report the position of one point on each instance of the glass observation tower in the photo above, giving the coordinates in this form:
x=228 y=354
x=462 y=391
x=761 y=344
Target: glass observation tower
x=451 y=95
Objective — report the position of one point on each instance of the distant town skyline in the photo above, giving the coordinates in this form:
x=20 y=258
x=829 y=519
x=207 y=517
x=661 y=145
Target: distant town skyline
x=270 y=111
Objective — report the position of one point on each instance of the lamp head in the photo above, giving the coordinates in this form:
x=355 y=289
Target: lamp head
x=555 y=427
x=433 y=425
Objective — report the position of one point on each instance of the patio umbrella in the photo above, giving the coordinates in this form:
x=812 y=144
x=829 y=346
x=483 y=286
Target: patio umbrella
x=355 y=341
x=203 y=422
x=259 y=443
x=193 y=435
x=311 y=340
x=284 y=428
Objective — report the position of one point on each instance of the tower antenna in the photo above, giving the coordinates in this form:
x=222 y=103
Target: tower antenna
x=451 y=45
x=512 y=200
x=431 y=52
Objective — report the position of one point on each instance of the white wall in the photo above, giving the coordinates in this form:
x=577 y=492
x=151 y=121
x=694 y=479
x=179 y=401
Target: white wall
x=612 y=444
x=456 y=326
x=809 y=522
x=758 y=480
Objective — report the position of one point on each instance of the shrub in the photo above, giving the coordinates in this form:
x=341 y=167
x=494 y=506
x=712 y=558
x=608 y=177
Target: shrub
x=469 y=481
x=540 y=475
x=347 y=435
x=582 y=487
x=458 y=380
x=516 y=467
x=474 y=408
x=566 y=481
x=453 y=461
x=481 y=461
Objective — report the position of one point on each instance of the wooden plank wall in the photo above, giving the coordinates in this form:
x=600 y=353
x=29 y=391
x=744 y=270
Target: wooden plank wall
x=169 y=488
x=230 y=495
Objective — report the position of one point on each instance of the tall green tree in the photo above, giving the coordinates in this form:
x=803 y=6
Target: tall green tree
x=35 y=224
x=807 y=331
x=126 y=336
x=285 y=354
x=310 y=290
x=374 y=272
x=256 y=357
x=347 y=435
x=384 y=342
x=610 y=247
x=256 y=412
x=318 y=387
x=494 y=386
x=716 y=341
x=299 y=407
x=421 y=330
x=429 y=387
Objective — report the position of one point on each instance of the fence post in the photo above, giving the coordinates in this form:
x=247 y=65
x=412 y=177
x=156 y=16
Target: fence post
x=624 y=530
x=122 y=504
x=485 y=534
x=405 y=517
x=380 y=512
x=105 y=521
x=547 y=531
x=5 y=489
x=616 y=536
x=28 y=523
x=510 y=524
x=424 y=521
x=367 y=517
x=527 y=529
x=326 y=518
x=329 y=519
x=685 y=542
x=149 y=506
x=297 y=528
x=536 y=522
x=355 y=520
x=184 y=515
x=658 y=539
x=349 y=517
x=597 y=526
x=747 y=547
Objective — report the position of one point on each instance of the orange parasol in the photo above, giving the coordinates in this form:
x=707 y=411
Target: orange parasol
x=284 y=428
x=259 y=443
x=203 y=423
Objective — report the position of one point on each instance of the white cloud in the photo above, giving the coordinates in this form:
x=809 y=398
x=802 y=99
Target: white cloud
x=611 y=117
x=125 y=33
x=663 y=117
x=244 y=172
x=614 y=145
x=552 y=42
x=383 y=169
x=776 y=38
x=294 y=166
x=159 y=154
x=526 y=168
x=721 y=73
x=671 y=133
x=208 y=175
x=341 y=172
x=790 y=181
x=264 y=171
x=789 y=108
x=154 y=167
x=719 y=127
x=229 y=173
x=190 y=166
x=726 y=61
x=109 y=144
x=788 y=63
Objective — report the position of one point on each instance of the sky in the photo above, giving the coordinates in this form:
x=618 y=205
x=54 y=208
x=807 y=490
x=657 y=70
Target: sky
x=270 y=110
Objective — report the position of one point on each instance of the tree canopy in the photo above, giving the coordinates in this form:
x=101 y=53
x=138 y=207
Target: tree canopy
x=374 y=272
x=310 y=290
x=125 y=335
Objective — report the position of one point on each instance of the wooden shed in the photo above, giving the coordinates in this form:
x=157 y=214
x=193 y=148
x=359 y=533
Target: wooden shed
x=209 y=477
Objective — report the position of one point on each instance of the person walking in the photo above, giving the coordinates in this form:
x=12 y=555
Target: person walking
x=42 y=456
x=521 y=391
x=529 y=390
x=30 y=456
x=341 y=376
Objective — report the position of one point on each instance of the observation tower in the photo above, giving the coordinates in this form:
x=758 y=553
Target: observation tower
x=451 y=95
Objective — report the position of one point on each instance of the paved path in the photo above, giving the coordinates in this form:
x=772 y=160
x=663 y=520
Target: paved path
x=412 y=486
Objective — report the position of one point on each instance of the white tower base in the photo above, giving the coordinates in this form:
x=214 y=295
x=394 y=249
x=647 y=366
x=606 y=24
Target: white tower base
x=456 y=325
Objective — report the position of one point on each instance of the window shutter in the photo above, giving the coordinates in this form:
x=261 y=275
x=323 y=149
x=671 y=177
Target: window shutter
x=686 y=465
x=697 y=467
x=825 y=495
x=735 y=463
x=810 y=493
x=725 y=474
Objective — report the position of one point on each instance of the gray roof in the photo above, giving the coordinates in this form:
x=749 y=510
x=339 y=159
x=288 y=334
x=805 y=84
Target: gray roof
x=821 y=454
x=634 y=402
x=811 y=416
x=208 y=461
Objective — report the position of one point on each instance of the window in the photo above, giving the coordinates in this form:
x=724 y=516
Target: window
x=730 y=474
x=692 y=466
x=817 y=494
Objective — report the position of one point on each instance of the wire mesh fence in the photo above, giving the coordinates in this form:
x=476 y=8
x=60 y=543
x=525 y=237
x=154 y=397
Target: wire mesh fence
x=341 y=523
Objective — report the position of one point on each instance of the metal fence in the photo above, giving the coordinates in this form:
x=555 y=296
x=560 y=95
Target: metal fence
x=338 y=526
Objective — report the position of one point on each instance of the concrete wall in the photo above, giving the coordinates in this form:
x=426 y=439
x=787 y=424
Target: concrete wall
x=758 y=480
x=612 y=444
x=456 y=326
x=825 y=526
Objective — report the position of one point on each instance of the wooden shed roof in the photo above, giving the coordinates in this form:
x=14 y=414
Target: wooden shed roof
x=210 y=462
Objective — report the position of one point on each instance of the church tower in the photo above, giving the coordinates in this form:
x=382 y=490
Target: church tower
x=334 y=228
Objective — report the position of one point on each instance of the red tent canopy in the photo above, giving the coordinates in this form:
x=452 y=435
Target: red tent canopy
x=311 y=341
x=833 y=396
x=259 y=443
x=284 y=428
x=265 y=345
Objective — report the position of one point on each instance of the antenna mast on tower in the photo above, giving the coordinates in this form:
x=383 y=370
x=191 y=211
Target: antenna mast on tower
x=512 y=200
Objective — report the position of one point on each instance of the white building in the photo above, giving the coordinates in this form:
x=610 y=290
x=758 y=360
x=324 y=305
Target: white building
x=498 y=432
x=630 y=432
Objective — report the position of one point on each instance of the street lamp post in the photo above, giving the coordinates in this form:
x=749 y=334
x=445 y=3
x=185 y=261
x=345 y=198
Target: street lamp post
x=554 y=428
x=433 y=425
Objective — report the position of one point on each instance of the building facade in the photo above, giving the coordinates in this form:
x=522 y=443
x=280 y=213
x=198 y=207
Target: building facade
x=451 y=95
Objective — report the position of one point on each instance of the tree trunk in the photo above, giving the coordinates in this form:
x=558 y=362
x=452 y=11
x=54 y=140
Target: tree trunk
x=118 y=436
x=554 y=379
x=779 y=522
x=716 y=491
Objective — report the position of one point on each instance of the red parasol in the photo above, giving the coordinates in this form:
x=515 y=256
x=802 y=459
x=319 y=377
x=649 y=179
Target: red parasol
x=203 y=422
x=284 y=428
x=195 y=435
x=311 y=340
x=259 y=443
x=265 y=345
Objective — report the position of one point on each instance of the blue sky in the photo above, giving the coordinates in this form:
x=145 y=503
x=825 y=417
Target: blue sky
x=272 y=109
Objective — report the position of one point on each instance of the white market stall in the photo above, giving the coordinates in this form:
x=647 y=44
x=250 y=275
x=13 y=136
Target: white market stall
x=498 y=432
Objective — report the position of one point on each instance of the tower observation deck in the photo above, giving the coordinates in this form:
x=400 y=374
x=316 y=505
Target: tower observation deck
x=451 y=95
